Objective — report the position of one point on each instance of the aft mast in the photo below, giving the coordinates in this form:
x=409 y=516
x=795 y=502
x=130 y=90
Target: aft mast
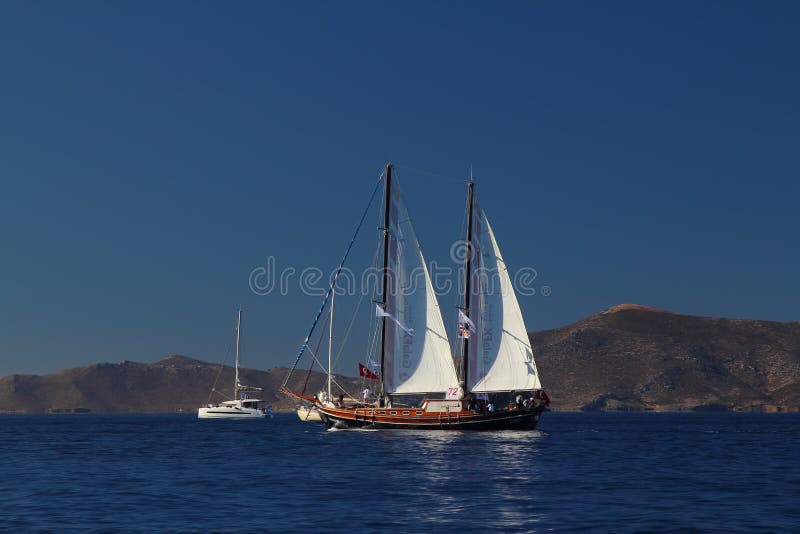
x=386 y=221
x=415 y=354
x=238 y=340
x=467 y=284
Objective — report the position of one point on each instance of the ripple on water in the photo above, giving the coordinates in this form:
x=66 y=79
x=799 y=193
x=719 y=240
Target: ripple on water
x=598 y=472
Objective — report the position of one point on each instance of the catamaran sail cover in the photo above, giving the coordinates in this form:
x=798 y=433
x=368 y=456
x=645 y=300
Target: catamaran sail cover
x=417 y=357
x=501 y=358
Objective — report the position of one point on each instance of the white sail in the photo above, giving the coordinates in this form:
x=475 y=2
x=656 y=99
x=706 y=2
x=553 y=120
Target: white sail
x=501 y=357
x=417 y=356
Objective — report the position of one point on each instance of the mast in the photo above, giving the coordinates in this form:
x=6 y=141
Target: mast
x=238 y=340
x=467 y=282
x=387 y=203
x=330 y=344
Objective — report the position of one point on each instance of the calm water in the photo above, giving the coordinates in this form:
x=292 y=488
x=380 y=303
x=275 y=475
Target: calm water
x=612 y=472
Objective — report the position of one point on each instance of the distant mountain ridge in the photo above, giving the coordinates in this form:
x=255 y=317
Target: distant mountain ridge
x=176 y=383
x=633 y=357
x=629 y=357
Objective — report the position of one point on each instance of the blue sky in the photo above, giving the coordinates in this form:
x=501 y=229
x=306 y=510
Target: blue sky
x=153 y=154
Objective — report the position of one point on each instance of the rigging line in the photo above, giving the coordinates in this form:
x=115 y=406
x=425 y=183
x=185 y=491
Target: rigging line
x=343 y=389
x=372 y=338
x=218 y=393
x=221 y=368
x=349 y=329
x=372 y=325
x=353 y=320
x=456 y=344
x=308 y=374
x=372 y=347
x=314 y=356
x=311 y=367
x=333 y=282
x=319 y=343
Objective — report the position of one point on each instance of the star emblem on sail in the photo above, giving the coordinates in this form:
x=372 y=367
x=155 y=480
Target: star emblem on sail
x=380 y=312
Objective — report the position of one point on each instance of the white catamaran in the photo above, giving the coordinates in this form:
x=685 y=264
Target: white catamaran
x=240 y=407
x=493 y=384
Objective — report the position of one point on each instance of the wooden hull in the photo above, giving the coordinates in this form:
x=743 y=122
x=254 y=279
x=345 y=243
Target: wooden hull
x=421 y=419
x=414 y=419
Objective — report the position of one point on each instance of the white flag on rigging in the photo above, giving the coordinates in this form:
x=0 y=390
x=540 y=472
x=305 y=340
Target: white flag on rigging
x=464 y=320
x=380 y=312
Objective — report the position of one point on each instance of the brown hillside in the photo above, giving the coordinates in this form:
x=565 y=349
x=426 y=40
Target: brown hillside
x=638 y=358
x=176 y=383
x=629 y=357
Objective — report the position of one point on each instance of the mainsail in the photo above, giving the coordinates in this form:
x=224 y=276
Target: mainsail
x=500 y=354
x=417 y=357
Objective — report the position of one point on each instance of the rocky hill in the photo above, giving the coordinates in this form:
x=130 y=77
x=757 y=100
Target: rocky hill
x=626 y=358
x=633 y=357
x=176 y=383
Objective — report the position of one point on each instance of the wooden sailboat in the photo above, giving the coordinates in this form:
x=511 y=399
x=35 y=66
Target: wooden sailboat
x=497 y=384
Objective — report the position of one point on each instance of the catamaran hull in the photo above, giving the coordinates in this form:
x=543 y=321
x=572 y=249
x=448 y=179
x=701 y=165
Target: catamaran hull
x=229 y=413
x=505 y=420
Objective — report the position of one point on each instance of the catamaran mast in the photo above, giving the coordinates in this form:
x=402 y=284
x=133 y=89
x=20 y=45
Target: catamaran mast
x=467 y=285
x=387 y=205
x=238 y=339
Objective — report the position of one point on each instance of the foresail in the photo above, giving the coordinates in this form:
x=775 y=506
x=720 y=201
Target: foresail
x=501 y=357
x=417 y=357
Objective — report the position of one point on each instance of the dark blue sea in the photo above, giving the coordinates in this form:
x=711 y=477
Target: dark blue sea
x=591 y=472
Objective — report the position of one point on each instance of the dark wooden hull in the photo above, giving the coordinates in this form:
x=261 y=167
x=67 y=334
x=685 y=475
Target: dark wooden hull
x=368 y=418
x=405 y=418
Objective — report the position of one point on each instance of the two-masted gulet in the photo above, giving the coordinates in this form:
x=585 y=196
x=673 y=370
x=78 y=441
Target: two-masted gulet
x=495 y=384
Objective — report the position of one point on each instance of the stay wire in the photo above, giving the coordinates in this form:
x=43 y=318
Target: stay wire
x=304 y=346
x=221 y=368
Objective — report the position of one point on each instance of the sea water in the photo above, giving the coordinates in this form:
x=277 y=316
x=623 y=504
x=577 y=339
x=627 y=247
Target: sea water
x=594 y=472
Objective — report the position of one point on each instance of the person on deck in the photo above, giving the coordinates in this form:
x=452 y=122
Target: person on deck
x=365 y=395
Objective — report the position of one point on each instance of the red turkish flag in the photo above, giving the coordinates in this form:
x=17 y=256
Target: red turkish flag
x=366 y=373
